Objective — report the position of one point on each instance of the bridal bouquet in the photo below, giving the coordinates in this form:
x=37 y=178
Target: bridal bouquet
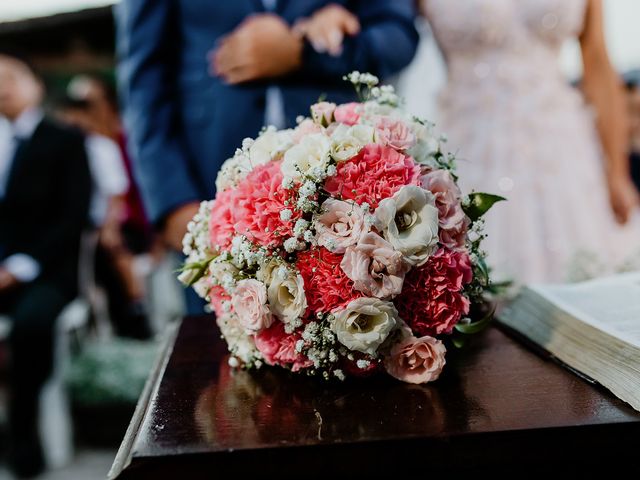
x=342 y=246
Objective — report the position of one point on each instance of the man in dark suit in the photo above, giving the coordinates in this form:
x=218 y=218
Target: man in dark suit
x=183 y=120
x=45 y=187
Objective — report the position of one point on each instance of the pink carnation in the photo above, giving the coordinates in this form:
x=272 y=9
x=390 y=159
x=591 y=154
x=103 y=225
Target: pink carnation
x=376 y=173
x=348 y=113
x=326 y=286
x=306 y=127
x=221 y=221
x=279 y=348
x=431 y=301
x=257 y=203
x=394 y=133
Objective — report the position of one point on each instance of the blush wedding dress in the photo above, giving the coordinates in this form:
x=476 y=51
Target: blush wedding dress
x=521 y=131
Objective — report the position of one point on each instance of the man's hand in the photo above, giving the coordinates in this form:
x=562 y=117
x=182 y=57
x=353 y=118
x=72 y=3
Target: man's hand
x=7 y=280
x=175 y=225
x=326 y=28
x=263 y=46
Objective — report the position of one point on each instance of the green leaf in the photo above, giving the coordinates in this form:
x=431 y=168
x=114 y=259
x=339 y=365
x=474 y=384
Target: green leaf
x=475 y=327
x=459 y=342
x=480 y=203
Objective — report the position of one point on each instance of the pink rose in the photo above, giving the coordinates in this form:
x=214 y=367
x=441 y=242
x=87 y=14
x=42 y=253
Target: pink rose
x=416 y=360
x=305 y=128
x=322 y=113
x=348 y=113
x=452 y=220
x=279 y=348
x=250 y=304
x=375 y=267
x=394 y=133
x=340 y=225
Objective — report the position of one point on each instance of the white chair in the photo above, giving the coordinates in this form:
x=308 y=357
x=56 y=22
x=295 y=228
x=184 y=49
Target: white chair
x=55 y=421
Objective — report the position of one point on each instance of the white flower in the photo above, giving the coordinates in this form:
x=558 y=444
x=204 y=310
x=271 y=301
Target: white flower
x=347 y=141
x=239 y=343
x=426 y=144
x=365 y=324
x=286 y=297
x=270 y=267
x=223 y=272
x=269 y=146
x=300 y=227
x=292 y=244
x=312 y=151
x=409 y=221
x=233 y=171
x=286 y=214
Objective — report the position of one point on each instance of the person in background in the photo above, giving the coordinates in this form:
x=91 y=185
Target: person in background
x=45 y=188
x=114 y=262
x=197 y=77
x=632 y=83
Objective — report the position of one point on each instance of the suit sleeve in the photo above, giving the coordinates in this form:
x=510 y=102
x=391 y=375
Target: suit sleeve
x=385 y=45
x=75 y=186
x=147 y=49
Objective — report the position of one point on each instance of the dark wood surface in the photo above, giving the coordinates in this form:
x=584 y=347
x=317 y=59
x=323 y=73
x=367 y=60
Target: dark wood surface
x=498 y=406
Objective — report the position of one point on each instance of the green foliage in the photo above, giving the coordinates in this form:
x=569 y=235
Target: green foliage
x=480 y=203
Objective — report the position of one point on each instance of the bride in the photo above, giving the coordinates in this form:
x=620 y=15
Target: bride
x=521 y=131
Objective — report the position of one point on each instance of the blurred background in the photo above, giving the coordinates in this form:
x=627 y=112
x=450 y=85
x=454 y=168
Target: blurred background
x=111 y=341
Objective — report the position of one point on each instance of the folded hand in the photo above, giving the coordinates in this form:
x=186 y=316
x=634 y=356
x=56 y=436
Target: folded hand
x=263 y=46
x=326 y=28
x=623 y=196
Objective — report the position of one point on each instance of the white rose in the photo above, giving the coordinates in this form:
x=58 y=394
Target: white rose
x=347 y=141
x=239 y=342
x=269 y=146
x=286 y=296
x=365 y=324
x=311 y=153
x=223 y=273
x=426 y=144
x=409 y=221
x=249 y=302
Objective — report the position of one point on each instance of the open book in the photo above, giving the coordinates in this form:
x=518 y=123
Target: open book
x=593 y=327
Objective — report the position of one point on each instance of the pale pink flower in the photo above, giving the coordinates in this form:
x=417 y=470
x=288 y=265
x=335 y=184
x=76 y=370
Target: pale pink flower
x=452 y=220
x=250 y=304
x=306 y=127
x=416 y=360
x=348 y=113
x=375 y=267
x=394 y=133
x=340 y=225
x=322 y=113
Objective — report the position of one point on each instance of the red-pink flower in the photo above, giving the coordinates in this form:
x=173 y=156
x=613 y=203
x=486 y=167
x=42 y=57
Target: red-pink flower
x=279 y=348
x=221 y=222
x=326 y=286
x=257 y=203
x=376 y=173
x=431 y=301
x=218 y=295
x=348 y=113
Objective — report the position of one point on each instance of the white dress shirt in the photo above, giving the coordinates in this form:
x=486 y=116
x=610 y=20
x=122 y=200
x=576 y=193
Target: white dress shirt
x=108 y=172
x=20 y=265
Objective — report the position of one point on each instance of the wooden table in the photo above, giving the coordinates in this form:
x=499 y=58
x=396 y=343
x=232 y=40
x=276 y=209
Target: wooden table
x=498 y=407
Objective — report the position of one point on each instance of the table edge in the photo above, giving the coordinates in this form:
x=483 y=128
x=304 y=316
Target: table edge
x=124 y=455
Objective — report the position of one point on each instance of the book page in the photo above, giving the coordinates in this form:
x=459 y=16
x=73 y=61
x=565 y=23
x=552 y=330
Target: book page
x=611 y=304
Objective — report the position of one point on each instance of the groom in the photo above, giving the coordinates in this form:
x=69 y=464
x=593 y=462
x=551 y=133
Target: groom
x=184 y=117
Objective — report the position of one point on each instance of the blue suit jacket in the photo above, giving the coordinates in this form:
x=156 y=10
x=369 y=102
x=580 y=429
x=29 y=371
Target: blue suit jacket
x=183 y=123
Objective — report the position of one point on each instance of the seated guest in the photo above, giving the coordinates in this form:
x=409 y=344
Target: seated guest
x=45 y=187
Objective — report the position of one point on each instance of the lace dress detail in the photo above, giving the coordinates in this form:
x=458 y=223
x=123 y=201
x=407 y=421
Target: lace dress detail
x=521 y=131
